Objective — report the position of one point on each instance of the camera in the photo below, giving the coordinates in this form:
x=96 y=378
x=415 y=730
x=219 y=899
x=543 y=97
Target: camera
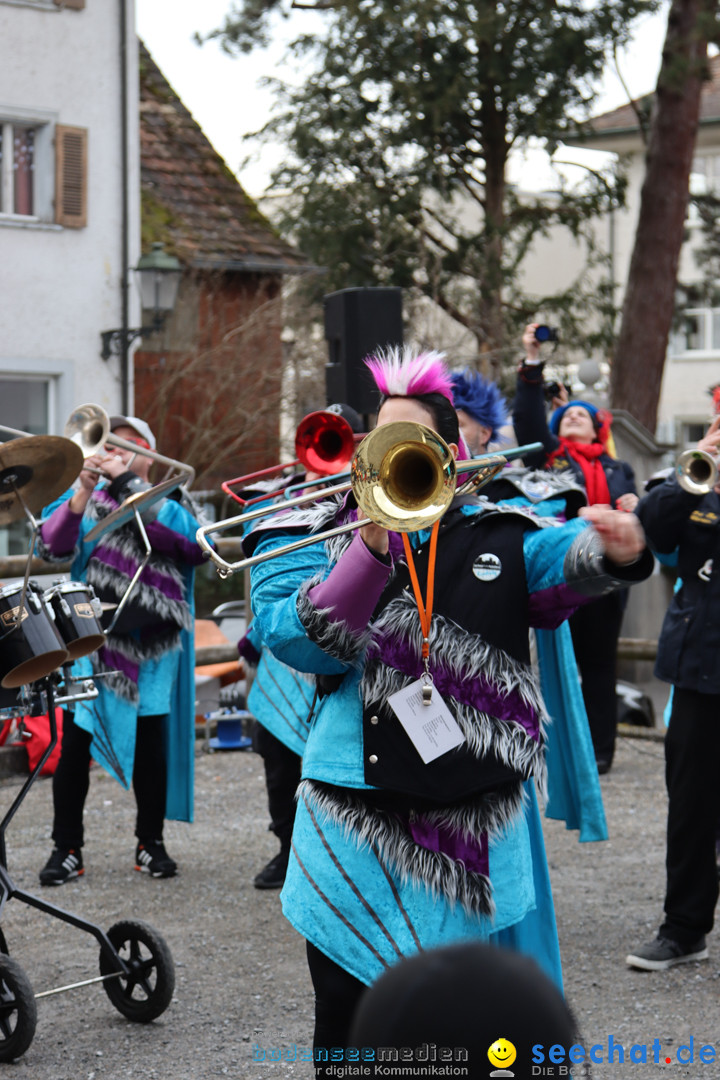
x=553 y=388
x=546 y=333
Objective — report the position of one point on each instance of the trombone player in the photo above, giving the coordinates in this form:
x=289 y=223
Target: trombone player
x=141 y=726
x=420 y=828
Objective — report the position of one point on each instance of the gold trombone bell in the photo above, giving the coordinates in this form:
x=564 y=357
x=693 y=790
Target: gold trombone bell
x=403 y=476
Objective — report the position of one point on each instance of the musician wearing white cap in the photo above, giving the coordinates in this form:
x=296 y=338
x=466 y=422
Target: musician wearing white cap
x=141 y=726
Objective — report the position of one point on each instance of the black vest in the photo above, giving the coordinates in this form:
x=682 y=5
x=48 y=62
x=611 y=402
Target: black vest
x=496 y=609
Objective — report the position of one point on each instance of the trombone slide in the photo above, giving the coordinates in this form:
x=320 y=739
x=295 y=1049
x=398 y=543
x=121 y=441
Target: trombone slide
x=395 y=486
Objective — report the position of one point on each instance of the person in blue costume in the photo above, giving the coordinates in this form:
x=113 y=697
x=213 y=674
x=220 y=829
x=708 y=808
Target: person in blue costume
x=281 y=701
x=573 y=787
x=399 y=845
x=141 y=727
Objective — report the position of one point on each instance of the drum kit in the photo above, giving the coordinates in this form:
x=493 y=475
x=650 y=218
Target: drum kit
x=42 y=632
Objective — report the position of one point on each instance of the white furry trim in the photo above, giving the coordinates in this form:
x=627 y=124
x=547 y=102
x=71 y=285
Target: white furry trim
x=461 y=653
x=149 y=597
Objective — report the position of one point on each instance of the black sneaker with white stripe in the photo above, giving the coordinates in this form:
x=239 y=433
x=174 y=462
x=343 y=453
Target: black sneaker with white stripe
x=63 y=865
x=152 y=858
x=662 y=953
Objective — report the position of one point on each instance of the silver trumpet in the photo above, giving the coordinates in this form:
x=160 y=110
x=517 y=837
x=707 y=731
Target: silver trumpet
x=403 y=477
x=696 y=471
x=89 y=427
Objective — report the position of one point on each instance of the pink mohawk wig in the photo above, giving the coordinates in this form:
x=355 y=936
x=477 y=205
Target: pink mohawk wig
x=407 y=373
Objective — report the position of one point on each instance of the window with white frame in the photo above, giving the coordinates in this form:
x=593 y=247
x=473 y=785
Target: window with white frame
x=17 y=169
x=705 y=174
x=691 y=431
x=25 y=404
x=43 y=170
x=699 y=331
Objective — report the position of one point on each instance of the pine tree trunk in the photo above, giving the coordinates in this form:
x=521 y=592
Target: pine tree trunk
x=650 y=294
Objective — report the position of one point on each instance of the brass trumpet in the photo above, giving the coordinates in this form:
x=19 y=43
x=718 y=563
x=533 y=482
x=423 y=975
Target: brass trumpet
x=89 y=428
x=403 y=476
x=696 y=471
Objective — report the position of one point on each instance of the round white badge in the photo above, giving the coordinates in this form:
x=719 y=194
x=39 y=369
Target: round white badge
x=487 y=567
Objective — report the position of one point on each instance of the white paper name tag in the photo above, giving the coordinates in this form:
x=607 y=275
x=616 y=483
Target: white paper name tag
x=431 y=728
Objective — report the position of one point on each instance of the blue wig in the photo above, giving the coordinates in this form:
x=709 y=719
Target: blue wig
x=480 y=399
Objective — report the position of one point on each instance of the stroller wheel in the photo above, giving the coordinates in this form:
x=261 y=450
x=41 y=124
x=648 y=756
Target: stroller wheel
x=147 y=990
x=18 y=1010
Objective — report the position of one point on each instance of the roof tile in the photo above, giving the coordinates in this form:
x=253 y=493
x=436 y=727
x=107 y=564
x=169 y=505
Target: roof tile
x=208 y=219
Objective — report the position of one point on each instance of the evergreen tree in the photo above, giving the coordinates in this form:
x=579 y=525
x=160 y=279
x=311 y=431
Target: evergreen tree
x=399 y=142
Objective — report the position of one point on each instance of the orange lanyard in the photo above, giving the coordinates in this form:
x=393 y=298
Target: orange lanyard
x=424 y=609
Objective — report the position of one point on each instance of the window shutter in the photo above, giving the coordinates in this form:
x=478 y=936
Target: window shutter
x=71 y=176
x=75 y=5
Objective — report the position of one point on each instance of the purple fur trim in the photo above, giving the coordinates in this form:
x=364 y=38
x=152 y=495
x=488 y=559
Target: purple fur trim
x=447 y=841
x=550 y=607
x=405 y=373
x=478 y=693
x=127 y=566
x=111 y=660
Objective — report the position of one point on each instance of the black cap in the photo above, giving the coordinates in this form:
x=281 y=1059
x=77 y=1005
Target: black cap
x=348 y=413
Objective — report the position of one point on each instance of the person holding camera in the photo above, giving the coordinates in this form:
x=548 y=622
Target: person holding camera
x=577 y=439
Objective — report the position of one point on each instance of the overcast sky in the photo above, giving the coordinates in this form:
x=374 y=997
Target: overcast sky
x=223 y=95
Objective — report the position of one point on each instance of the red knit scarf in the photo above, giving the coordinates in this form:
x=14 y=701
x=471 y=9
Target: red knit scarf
x=587 y=456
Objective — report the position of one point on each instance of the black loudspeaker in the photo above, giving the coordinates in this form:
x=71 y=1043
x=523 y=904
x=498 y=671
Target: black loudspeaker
x=357 y=323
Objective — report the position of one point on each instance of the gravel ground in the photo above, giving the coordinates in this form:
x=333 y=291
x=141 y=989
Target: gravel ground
x=241 y=975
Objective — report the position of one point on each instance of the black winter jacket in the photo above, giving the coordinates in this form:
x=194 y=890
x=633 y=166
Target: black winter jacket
x=689 y=644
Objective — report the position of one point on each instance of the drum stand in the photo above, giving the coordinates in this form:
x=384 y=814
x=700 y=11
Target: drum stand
x=136 y=966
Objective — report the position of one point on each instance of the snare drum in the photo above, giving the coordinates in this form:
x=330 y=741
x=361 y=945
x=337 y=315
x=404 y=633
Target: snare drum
x=77 y=613
x=32 y=648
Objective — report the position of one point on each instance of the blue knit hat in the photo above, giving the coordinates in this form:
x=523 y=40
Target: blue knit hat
x=479 y=398
x=557 y=416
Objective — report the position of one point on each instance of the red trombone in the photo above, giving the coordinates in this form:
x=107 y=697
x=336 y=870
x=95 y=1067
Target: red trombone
x=324 y=444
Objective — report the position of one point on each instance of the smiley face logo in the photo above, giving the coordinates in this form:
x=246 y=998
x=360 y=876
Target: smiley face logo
x=501 y=1054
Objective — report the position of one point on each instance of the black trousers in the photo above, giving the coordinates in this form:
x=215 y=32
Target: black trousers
x=337 y=994
x=595 y=629
x=692 y=751
x=282 y=776
x=72 y=780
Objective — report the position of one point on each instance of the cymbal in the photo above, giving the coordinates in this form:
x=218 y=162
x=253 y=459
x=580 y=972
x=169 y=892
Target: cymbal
x=40 y=467
x=125 y=512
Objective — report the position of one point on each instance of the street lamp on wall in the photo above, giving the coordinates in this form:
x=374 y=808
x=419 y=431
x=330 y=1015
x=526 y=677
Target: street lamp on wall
x=158 y=274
